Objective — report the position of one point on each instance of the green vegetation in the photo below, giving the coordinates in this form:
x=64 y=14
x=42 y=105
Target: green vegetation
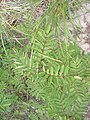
x=43 y=74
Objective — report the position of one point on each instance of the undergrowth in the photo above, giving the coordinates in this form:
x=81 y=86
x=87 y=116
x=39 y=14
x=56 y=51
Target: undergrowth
x=45 y=77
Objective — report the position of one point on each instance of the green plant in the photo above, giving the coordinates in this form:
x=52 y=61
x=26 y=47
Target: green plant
x=49 y=77
x=56 y=73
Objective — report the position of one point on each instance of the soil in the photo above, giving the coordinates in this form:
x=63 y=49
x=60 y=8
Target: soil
x=84 y=36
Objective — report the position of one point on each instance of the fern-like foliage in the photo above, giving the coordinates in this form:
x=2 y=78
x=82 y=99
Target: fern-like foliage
x=48 y=78
x=57 y=73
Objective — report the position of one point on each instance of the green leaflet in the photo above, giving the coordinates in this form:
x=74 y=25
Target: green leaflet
x=50 y=80
x=66 y=70
x=60 y=118
x=57 y=68
x=63 y=118
x=47 y=29
x=62 y=70
x=51 y=71
x=48 y=71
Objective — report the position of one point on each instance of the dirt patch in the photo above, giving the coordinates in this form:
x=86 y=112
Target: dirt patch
x=84 y=20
